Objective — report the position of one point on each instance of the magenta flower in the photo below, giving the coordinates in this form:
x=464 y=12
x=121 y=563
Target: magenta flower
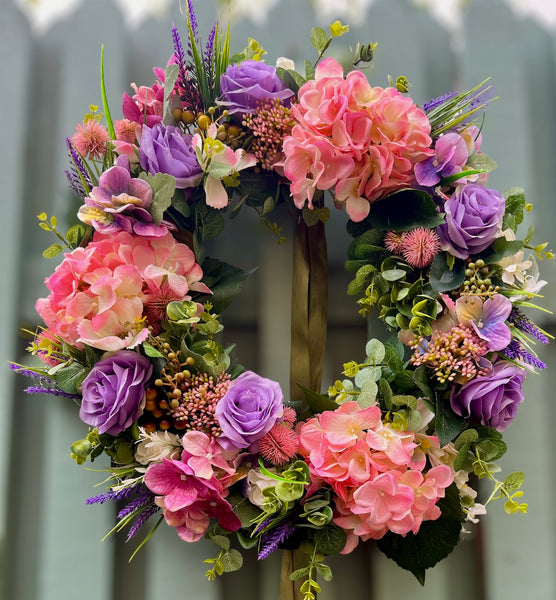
x=114 y=392
x=120 y=203
x=491 y=400
x=189 y=502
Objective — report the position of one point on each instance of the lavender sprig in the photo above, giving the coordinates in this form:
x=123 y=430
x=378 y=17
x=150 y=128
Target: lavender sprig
x=79 y=169
x=434 y=102
x=144 y=498
x=516 y=351
x=523 y=323
x=43 y=383
x=209 y=50
x=192 y=18
x=114 y=496
x=143 y=517
x=272 y=539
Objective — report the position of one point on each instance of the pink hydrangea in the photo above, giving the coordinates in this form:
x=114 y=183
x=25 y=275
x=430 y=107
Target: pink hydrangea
x=99 y=294
x=375 y=471
x=359 y=141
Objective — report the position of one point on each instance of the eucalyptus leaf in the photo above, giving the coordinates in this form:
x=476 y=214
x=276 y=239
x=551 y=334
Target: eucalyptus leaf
x=330 y=539
x=444 y=279
x=231 y=560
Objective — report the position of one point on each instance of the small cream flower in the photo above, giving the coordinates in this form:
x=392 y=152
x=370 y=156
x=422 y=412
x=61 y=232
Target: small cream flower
x=153 y=447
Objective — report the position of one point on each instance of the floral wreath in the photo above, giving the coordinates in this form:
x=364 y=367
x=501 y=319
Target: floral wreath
x=133 y=312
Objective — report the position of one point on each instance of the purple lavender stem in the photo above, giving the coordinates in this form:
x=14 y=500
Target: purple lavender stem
x=523 y=323
x=51 y=391
x=209 y=49
x=78 y=162
x=434 y=102
x=193 y=22
x=272 y=539
x=145 y=515
x=515 y=351
x=144 y=498
x=114 y=496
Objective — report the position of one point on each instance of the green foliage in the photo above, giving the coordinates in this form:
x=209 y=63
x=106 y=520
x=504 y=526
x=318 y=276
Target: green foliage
x=71 y=240
x=434 y=541
x=228 y=559
x=224 y=281
x=163 y=187
x=445 y=277
x=403 y=211
x=515 y=206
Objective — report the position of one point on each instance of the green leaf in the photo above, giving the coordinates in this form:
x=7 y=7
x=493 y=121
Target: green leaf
x=170 y=77
x=75 y=234
x=309 y=70
x=163 y=186
x=405 y=210
x=221 y=541
x=319 y=39
x=52 y=251
x=231 y=560
x=481 y=161
x=245 y=510
x=317 y=402
x=151 y=351
x=69 y=378
x=105 y=107
x=330 y=539
x=514 y=481
x=444 y=279
x=224 y=281
x=324 y=571
x=393 y=274
x=290 y=78
x=434 y=541
x=501 y=248
x=392 y=358
x=448 y=424
x=299 y=573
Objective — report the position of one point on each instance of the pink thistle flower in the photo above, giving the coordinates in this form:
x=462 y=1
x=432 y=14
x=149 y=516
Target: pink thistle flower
x=279 y=445
x=290 y=416
x=394 y=241
x=90 y=139
x=127 y=131
x=420 y=246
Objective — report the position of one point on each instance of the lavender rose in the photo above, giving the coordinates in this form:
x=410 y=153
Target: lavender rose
x=491 y=400
x=248 y=410
x=114 y=392
x=245 y=84
x=473 y=218
x=168 y=150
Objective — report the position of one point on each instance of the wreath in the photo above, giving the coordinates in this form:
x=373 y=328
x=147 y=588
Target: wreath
x=133 y=311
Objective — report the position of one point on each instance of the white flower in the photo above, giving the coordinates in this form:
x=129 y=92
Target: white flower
x=285 y=63
x=256 y=483
x=153 y=447
x=514 y=267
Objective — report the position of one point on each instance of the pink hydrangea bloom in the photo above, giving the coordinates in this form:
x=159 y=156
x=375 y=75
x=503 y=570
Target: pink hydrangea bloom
x=98 y=294
x=375 y=471
x=359 y=141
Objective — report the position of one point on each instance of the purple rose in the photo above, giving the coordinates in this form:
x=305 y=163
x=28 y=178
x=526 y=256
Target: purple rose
x=244 y=85
x=168 y=150
x=249 y=409
x=491 y=400
x=114 y=392
x=473 y=218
